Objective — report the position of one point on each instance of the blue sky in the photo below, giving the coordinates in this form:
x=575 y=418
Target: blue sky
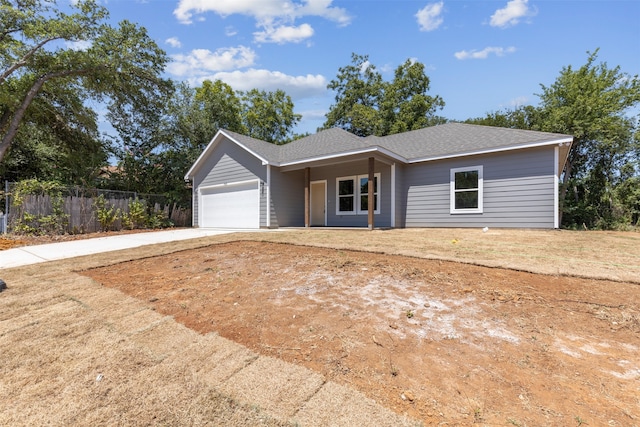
x=481 y=56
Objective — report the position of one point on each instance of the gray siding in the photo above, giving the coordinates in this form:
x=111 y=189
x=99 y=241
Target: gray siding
x=518 y=191
x=228 y=163
x=287 y=198
x=361 y=167
x=401 y=197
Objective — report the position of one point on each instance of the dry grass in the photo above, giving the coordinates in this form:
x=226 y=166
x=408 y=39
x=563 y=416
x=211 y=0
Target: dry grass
x=594 y=254
x=75 y=353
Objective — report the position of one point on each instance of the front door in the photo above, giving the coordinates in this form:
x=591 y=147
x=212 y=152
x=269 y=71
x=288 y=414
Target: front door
x=319 y=203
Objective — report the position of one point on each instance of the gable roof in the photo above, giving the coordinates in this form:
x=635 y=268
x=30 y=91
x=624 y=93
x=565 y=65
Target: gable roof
x=431 y=143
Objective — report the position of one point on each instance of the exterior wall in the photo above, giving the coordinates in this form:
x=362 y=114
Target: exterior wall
x=518 y=191
x=401 y=197
x=287 y=198
x=360 y=167
x=228 y=163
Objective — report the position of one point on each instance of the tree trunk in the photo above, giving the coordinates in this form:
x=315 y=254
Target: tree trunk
x=18 y=115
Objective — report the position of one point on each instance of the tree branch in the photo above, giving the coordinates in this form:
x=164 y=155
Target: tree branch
x=20 y=111
x=23 y=61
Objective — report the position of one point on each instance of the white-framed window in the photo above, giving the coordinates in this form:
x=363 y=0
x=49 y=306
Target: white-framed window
x=346 y=195
x=466 y=190
x=352 y=195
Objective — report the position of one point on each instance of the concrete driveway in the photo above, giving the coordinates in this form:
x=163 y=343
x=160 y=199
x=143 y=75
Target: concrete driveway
x=28 y=255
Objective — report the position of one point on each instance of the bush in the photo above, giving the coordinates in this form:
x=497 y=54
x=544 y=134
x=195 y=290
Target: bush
x=106 y=213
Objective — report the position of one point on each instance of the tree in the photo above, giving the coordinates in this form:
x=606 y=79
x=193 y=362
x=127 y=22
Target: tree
x=591 y=104
x=405 y=104
x=269 y=115
x=367 y=105
x=526 y=117
x=120 y=66
x=358 y=90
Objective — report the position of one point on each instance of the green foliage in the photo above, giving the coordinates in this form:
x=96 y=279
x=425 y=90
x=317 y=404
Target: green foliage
x=106 y=213
x=269 y=115
x=159 y=219
x=52 y=65
x=592 y=103
x=46 y=193
x=137 y=216
x=367 y=105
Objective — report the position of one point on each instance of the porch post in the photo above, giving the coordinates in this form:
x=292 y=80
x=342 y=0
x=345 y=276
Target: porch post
x=307 y=186
x=371 y=198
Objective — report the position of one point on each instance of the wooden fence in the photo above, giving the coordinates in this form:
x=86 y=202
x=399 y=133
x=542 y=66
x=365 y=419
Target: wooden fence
x=79 y=214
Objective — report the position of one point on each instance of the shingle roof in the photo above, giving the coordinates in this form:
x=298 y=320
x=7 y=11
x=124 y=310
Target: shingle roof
x=452 y=139
x=446 y=140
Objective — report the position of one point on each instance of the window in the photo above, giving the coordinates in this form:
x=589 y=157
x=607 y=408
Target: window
x=353 y=195
x=346 y=195
x=466 y=190
x=364 y=194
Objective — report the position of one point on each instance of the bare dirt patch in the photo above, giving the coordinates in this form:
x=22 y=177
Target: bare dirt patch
x=443 y=342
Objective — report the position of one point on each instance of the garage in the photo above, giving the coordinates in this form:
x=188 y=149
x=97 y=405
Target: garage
x=235 y=205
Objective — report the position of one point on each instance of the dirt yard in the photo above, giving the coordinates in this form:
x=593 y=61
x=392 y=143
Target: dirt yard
x=443 y=342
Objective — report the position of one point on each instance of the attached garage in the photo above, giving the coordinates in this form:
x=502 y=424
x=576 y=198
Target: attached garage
x=234 y=205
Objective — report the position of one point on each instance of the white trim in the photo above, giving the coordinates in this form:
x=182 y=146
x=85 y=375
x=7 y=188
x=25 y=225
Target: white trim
x=324 y=181
x=226 y=184
x=354 y=179
x=452 y=190
x=344 y=154
x=393 y=195
x=376 y=209
x=357 y=195
x=193 y=207
x=556 y=188
x=210 y=147
x=268 y=196
x=489 y=151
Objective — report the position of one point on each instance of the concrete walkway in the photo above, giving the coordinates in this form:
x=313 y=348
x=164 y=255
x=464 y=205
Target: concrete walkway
x=28 y=255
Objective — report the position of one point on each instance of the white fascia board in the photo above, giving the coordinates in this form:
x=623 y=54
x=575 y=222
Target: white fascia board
x=559 y=141
x=373 y=149
x=210 y=147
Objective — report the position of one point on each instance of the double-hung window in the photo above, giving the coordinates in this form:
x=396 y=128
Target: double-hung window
x=353 y=195
x=346 y=195
x=466 y=190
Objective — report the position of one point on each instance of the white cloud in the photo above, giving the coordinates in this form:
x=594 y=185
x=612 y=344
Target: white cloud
x=519 y=101
x=173 y=42
x=511 y=14
x=274 y=17
x=298 y=87
x=230 y=31
x=284 y=34
x=484 y=53
x=201 y=61
x=429 y=17
x=81 y=45
x=263 y=11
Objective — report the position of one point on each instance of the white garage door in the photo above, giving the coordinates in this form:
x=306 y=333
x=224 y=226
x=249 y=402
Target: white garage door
x=231 y=206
